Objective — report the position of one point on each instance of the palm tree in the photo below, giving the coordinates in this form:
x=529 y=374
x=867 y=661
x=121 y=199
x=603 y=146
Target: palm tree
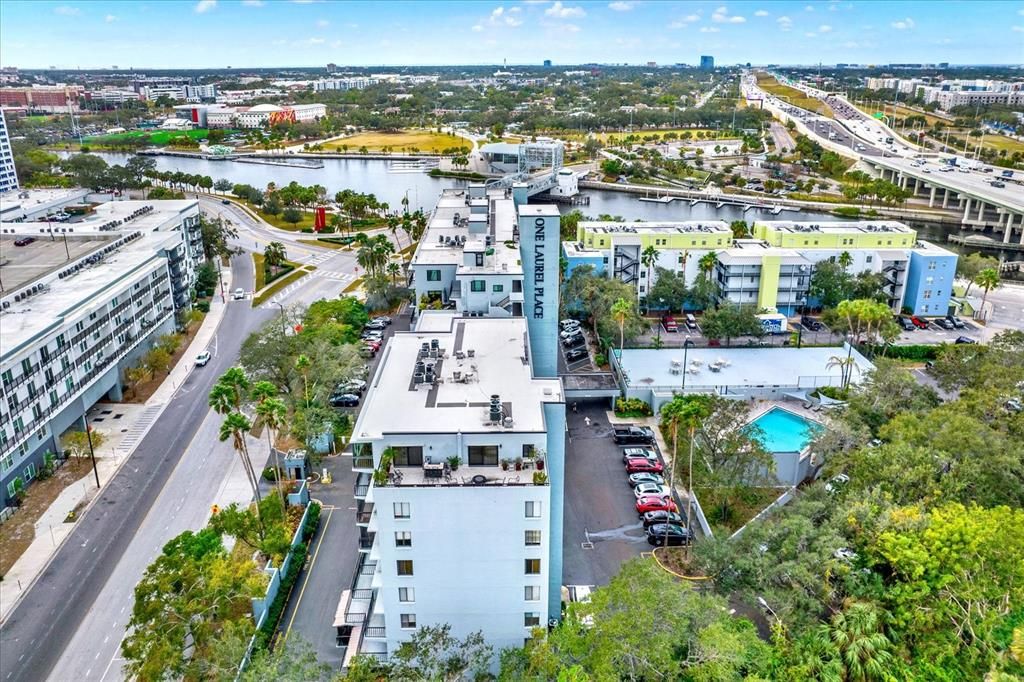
x=688 y=412
x=845 y=366
x=987 y=279
x=273 y=412
x=393 y=270
x=236 y=379
x=303 y=364
x=845 y=260
x=648 y=258
x=621 y=310
x=236 y=426
x=858 y=636
x=393 y=225
x=275 y=255
x=707 y=263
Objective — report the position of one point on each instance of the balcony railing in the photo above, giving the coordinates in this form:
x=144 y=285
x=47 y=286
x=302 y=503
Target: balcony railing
x=366 y=541
x=364 y=513
x=361 y=485
x=362 y=594
x=375 y=632
x=362 y=462
x=368 y=568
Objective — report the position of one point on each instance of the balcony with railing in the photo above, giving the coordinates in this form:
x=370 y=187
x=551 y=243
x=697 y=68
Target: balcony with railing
x=375 y=628
x=361 y=485
x=364 y=512
x=366 y=541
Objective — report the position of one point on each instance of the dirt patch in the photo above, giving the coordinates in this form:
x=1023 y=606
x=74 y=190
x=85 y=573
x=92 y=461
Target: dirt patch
x=145 y=390
x=18 y=532
x=741 y=508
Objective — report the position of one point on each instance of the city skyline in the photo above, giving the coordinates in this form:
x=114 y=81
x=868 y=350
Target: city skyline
x=303 y=33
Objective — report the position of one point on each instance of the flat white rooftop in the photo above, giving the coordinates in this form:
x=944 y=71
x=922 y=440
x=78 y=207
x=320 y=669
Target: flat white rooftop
x=448 y=234
x=836 y=227
x=477 y=358
x=16 y=203
x=743 y=368
x=681 y=227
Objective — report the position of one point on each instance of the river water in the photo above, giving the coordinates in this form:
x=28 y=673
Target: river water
x=374 y=176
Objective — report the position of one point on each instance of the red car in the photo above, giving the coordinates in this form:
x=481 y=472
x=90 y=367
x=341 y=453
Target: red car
x=638 y=464
x=918 y=322
x=649 y=503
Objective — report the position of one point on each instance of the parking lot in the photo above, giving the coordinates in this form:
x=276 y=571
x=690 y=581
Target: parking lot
x=599 y=504
x=935 y=334
x=656 y=334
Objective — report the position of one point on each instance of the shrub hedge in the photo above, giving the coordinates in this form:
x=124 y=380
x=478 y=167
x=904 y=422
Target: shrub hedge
x=915 y=352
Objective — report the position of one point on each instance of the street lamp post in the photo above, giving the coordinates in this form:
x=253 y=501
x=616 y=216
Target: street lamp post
x=281 y=306
x=686 y=347
x=92 y=453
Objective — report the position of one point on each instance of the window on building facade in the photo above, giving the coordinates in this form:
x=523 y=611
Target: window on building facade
x=531 y=619
x=927 y=294
x=402 y=510
x=403 y=538
x=408 y=455
x=532 y=538
x=433 y=275
x=532 y=566
x=8 y=377
x=931 y=265
x=408 y=621
x=406 y=594
x=404 y=566
x=531 y=593
x=7 y=461
x=532 y=509
x=479 y=260
x=483 y=455
x=498 y=288
x=477 y=285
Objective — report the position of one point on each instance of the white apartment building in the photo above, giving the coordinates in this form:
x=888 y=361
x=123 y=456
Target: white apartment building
x=354 y=83
x=199 y=93
x=113 y=96
x=8 y=173
x=80 y=304
x=477 y=545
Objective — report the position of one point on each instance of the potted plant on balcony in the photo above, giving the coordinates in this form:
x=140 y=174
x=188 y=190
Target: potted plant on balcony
x=380 y=474
x=539 y=459
x=539 y=478
x=504 y=464
x=454 y=461
x=519 y=463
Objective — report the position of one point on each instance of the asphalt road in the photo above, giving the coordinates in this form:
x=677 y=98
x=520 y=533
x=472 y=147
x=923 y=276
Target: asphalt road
x=36 y=636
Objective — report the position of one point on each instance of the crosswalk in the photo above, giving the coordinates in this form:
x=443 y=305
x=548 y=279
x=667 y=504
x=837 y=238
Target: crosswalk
x=334 y=275
x=139 y=429
x=317 y=259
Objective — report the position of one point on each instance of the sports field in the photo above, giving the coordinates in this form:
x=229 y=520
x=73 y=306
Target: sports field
x=155 y=136
x=426 y=141
x=792 y=95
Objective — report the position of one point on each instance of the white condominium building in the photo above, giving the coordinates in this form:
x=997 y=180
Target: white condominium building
x=8 y=174
x=80 y=304
x=460 y=449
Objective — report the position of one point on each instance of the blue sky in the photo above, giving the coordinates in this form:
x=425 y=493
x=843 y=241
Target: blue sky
x=249 y=33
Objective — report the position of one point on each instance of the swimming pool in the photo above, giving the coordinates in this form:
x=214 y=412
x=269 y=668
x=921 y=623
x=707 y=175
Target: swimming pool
x=784 y=431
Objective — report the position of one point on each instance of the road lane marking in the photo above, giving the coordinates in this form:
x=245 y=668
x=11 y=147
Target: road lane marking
x=309 y=572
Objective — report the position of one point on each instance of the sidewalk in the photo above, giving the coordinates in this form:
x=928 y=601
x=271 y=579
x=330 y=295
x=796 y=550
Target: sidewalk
x=133 y=423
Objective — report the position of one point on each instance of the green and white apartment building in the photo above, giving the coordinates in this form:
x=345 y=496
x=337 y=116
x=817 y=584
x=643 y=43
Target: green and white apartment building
x=80 y=304
x=771 y=270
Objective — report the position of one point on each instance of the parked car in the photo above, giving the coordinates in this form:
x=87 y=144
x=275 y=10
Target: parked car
x=382 y=318
x=907 y=325
x=576 y=354
x=945 y=323
x=375 y=325
x=918 y=322
x=633 y=434
x=811 y=323
x=964 y=339
x=203 y=358
x=837 y=483
x=662 y=516
x=957 y=322
x=372 y=343
x=645 y=477
x=343 y=400
x=667 y=533
x=649 y=503
x=636 y=453
x=643 y=489
x=372 y=335
x=669 y=323
x=24 y=241
x=564 y=325
x=570 y=332
x=691 y=321
x=238 y=294
x=638 y=465
x=351 y=386
x=574 y=341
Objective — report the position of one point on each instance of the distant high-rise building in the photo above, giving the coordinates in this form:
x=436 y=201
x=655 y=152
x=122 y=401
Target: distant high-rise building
x=707 y=63
x=331 y=68
x=547 y=62
x=8 y=174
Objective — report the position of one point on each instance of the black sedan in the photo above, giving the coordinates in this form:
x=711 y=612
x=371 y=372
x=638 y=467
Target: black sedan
x=964 y=339
x=343 y=400
x=945 y=323
x=574 y=341
x=576 y=354
x=652 y=518
x=24 y=241
x=660 y=532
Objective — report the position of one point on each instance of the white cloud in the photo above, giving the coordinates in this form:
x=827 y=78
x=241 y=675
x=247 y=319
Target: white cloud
x=316 y=41
x=560 y=11
x=621 y=6
x=761 y=13
x=305 y=2
x=67 y=11
x=110 y=18
x=515 y=10
x=824 y=28
x=1018 y=29
x=572 y=28
x=903 y=24
x=784 y=22
x=833 y=7
x=499 y=17
x=721 y=16
x=205 y=6
x=851 y=45
x=809 y=8
x=811 y=34
x=709 y=29
x=323 y=23
x=1020 y=12
x=253 y=3
x=477 y=28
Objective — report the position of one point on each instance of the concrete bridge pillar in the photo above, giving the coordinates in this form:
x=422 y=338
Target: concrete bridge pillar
x=903 y=181
x=981 y=211
x=931 y=197
x=1021 y=230
x=945 y=197
x=1009 y=228
x=967 y=208
x=917 y=185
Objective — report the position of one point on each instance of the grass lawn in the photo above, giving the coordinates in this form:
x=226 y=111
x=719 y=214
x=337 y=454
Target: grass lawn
x=323 y=244
x=261 y=272
x=280 y=284
x=996 y=142
x=902 y=112
x=749 y=503
x=277 y=221
x=621 y=135
x=404 y=141
x=155 y=136
x=795 y=97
